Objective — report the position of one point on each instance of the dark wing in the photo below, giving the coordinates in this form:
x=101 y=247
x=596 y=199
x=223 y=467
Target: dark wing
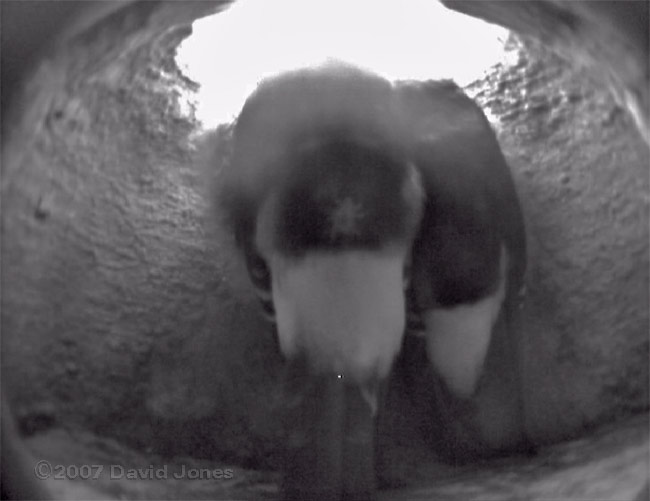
x=471 y=207
x=464 y=371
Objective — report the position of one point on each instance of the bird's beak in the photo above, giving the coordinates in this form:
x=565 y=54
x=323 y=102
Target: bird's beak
x=340 y=324
x=330 y=451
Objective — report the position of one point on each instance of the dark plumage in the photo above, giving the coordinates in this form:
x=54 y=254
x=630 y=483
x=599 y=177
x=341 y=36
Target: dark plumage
x=354 y=200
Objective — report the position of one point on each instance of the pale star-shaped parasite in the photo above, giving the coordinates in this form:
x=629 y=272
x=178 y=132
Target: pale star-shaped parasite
x=345 y=218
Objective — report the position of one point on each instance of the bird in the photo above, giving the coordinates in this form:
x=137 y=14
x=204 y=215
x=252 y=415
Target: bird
x=373 y=217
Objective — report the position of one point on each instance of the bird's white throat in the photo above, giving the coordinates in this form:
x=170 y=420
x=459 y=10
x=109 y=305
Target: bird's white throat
x=343 y=310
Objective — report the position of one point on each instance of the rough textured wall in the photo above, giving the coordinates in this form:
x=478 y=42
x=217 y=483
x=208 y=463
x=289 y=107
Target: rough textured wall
x=125 y=311
x=120 y=311
x=608 y=37
x=581 y=169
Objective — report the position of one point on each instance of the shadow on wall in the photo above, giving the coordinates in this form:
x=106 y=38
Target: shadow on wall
x=125 y=311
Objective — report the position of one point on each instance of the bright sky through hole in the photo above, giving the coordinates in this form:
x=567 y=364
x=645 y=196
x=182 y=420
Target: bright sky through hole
x=230 y=52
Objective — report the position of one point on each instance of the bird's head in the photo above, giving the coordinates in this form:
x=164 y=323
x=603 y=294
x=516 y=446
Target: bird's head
x=327 y=204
